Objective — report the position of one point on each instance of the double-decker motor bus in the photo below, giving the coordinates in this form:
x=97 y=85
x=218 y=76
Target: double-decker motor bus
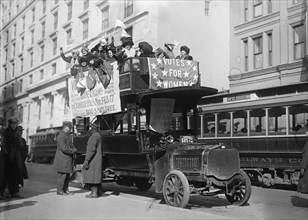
x=140 y=144
x=268 y=127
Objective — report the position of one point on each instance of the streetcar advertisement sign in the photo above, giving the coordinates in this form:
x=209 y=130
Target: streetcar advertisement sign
x=169 y=73
x=94 y=91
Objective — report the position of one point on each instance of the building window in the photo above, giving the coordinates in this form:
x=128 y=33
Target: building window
x=85 y=4
x=257 y=50
x=4 y=92
x=13 y=69
x=54 y=46
x=68 y=36
x=12 y=91
x=13 y=49
x=44 y=6
x=17 y=8
x=269 y=6
x=41 y=74
x=43 y=29
x=246 y=54
x=42 y=52
x=23 y=22
x=20 y=85
x=31 y=59
x=21 y=64
x=299 y=41
x=22 y=43
x=14 y=30
x=33 y=14
x=30 y=79
x=56 y=2
x=69 y=10
x=55 y=20
x=257 y=8
x=245 y=10
x=32 y=36
x=53 y=69
x=105 y=18
x=270 y=49
x=5 y=55
x=128 y=8
x=7 y=36
x=5 y=74
x=85 y=24
x=206 y=7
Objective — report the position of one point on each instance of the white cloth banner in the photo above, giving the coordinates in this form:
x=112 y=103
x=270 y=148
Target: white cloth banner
x=99 y=100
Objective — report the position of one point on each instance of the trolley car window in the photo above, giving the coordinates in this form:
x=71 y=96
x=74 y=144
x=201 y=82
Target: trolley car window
x=224 y=124
x=297 y=119
x=240 y=123
x=209 y=125
x=277 y=121
x=257 y=122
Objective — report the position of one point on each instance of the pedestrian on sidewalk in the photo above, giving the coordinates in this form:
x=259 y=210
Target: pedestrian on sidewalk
x=63 y=162
x=13 y=160
x=93 y=163
x=3 y=154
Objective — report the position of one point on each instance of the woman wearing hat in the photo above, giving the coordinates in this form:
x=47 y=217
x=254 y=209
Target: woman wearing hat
x=74 y=60
x=100 y=49
x=146 y=50
x=93 y=163
x=184 y=53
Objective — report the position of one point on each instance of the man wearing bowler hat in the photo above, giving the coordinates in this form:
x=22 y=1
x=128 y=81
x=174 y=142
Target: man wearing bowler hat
x=63 y=162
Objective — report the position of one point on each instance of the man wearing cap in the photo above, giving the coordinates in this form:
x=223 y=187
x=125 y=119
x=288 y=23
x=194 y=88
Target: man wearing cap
x=93 y=163
x=63 y=162
x=74 y=61
x=14 y=163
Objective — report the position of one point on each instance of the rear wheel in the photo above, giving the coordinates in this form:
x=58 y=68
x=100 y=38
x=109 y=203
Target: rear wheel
x=176 y=189
x=239 y=189
x=142 y=184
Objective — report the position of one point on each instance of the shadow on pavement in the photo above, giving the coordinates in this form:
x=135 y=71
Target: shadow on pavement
x=299 y=202
x=16 y=206
x=195 y=201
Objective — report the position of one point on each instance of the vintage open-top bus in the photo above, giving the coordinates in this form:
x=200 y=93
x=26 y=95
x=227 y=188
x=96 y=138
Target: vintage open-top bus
x=142 y=145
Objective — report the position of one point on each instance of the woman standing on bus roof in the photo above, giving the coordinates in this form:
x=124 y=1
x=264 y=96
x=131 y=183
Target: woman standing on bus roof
x=93 y=163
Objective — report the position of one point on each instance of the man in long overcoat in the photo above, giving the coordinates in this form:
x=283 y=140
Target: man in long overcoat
x=13 y=160
x=93 y=164
x=3 y=153
x=63 y=162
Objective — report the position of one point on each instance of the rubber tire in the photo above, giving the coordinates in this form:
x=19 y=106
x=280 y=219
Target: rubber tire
x=182 y=180
x=142 y=184
x=244 y=196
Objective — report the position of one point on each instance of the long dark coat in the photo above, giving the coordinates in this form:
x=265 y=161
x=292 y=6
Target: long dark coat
x=94 y=174
x=14 y=163
x=63 y=162
x=3 y=153
x=303 y=182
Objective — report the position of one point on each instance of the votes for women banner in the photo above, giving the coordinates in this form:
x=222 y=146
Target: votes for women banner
x=94 y=92
x=169 y=73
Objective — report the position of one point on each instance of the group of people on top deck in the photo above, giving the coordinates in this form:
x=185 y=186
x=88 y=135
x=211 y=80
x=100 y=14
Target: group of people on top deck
x=108 y=52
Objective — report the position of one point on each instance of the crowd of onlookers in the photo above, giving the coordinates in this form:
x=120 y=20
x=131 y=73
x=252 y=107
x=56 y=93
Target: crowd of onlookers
x=13 y=153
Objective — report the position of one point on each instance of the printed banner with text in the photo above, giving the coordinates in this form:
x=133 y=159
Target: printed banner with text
x=169 y=73
x=94 y=92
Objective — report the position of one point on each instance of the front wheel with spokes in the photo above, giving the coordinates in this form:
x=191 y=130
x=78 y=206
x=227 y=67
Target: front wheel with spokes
x=176 y=189
x=239 y=189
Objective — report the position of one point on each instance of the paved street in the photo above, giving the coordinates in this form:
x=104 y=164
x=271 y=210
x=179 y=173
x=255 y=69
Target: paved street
x=41 y=202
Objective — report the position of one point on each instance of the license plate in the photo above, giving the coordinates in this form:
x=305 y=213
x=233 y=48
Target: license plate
x=187 y=139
